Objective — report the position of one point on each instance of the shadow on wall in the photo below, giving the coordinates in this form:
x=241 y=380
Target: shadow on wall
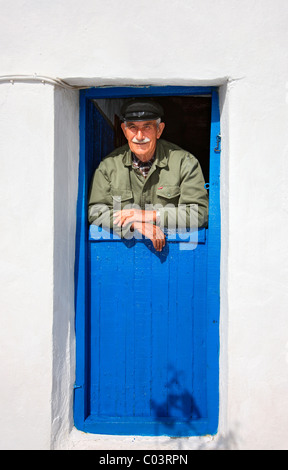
x=180 y=405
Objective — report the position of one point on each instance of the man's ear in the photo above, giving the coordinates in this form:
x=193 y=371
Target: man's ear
x=160 y=129
x=123 y=127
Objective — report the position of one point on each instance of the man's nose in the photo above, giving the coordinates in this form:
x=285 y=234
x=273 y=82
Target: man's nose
x=139 y=135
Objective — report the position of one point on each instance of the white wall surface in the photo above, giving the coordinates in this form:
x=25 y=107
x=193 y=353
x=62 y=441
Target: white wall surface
x=26 y=268
x=66 y=162
x=241 y=46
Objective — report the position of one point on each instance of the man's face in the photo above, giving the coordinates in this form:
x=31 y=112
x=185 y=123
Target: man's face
x=142 y=137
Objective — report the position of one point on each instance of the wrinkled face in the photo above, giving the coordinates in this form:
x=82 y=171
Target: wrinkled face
x=142 y=137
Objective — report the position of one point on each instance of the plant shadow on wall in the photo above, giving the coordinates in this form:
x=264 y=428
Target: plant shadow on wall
x=178 y=406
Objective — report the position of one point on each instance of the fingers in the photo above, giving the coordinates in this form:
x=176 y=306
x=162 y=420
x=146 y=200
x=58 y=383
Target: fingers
x=153 y=233
x=158 y=244
x=149 y=230
x=159 y=239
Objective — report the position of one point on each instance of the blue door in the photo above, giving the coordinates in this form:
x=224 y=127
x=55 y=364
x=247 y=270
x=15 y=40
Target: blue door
x=147 y=323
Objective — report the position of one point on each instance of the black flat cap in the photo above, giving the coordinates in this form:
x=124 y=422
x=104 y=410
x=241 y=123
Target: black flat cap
x=141 y=110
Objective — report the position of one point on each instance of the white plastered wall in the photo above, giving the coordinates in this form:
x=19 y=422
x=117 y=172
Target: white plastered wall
x=26 y=268
x=240 y=46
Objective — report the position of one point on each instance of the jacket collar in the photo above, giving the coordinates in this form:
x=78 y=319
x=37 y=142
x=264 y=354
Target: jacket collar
x=160 y=160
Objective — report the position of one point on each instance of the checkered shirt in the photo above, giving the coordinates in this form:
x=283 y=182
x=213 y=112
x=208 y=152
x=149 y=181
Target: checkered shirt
x=143 y=167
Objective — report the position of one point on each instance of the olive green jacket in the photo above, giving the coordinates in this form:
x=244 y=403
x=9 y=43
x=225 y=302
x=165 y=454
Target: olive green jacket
x=174 y=185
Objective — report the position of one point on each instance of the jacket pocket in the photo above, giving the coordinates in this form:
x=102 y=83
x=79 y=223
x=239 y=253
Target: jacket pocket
x=121 y=195
x=168 y=192
x=121 y=198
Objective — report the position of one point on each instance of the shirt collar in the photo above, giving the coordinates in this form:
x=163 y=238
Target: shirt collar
x=139 y=162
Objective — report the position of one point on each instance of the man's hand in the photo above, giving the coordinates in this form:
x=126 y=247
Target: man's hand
x=153 y=232
x=128 y=216
x=143 y=222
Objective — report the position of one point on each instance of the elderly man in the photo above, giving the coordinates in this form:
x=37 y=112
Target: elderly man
x=149 y=184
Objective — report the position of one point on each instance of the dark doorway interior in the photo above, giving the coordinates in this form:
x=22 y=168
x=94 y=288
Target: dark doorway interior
x=188 y=121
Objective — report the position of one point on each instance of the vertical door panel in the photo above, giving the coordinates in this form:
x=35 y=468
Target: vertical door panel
x=148 y=328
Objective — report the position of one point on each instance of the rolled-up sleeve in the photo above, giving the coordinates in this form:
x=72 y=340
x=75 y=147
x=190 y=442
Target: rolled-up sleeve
x=100 y=199
x=101 y=205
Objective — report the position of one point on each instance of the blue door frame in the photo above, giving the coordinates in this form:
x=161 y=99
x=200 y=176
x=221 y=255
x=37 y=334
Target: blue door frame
x=82 y=416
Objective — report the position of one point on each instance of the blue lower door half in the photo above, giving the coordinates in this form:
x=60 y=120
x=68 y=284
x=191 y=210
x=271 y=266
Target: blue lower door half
x=147 y=338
